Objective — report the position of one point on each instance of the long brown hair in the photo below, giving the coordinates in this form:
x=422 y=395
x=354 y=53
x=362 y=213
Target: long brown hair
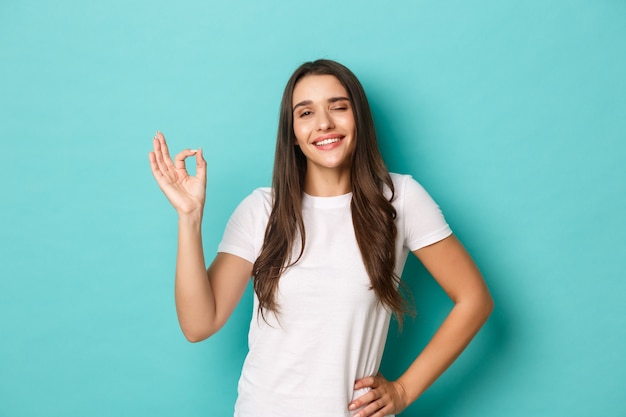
x=372 y=213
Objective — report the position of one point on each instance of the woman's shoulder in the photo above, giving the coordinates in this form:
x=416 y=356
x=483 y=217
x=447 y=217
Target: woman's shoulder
x=264 y=194
x=403 y=181
x=399 y=179
x=259 y=199
x=407 y=188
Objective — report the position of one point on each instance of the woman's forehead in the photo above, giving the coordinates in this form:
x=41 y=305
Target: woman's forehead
x=318 y=87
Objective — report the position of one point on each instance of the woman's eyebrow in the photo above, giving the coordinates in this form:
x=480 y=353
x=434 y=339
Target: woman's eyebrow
x=302 y=103
x=330 y=100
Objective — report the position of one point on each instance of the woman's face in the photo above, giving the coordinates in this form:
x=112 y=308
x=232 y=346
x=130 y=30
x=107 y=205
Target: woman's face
x=323 y=122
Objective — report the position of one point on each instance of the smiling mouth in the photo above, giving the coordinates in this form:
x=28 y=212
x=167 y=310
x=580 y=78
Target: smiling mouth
x=327 y=141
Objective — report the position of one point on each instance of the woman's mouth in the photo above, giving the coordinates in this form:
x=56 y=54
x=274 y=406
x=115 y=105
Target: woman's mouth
x=327 y=141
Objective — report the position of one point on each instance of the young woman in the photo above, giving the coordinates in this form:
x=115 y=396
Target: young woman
x=325 y=247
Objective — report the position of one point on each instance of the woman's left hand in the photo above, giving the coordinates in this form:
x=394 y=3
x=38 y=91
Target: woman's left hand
x=383 y=399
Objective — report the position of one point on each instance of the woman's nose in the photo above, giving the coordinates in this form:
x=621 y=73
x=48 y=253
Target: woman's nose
x=325 y=121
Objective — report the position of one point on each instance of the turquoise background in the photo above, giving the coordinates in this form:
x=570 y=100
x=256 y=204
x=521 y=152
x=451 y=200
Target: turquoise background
x=512 y=114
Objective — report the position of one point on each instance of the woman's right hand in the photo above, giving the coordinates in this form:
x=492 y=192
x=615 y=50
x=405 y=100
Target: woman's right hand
x=186 y=193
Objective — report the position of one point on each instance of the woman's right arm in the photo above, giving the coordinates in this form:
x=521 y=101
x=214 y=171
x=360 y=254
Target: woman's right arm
x=204 y=298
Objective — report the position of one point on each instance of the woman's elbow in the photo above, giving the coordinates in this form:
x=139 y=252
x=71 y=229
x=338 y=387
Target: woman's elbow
x=195 y=335
x=486 y=306
x=478 y=306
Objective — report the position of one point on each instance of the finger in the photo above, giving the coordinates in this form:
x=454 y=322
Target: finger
x=377 y=408
x=179 y=159
x=364 y=400
x=164 y=150
x=162 y=178
x=159 y=169
x=154 y=166
x=200 y=165
x=377 y=405
x=158 y=155
x=366 y=382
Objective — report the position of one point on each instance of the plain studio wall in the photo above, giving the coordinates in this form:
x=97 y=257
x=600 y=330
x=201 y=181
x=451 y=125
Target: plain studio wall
x=511 y=114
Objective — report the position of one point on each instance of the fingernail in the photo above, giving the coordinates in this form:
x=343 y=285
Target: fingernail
x=352 y=407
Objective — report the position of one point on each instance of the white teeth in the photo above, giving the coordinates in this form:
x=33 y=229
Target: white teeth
x=327 y=141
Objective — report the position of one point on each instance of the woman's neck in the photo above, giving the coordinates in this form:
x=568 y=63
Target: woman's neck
x=327 y=182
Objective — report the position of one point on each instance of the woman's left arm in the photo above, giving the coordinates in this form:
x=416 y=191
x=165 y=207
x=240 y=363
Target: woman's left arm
x=455 y=271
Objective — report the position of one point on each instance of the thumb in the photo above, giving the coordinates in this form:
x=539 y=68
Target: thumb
x=200 y=165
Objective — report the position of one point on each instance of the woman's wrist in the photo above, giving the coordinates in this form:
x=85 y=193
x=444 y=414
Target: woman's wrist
x=191 y=219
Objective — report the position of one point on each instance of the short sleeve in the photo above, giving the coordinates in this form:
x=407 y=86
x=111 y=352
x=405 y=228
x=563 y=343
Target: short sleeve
x=421 y=219
x=245 y=230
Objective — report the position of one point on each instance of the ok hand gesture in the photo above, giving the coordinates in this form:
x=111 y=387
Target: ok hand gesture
x=186 y=193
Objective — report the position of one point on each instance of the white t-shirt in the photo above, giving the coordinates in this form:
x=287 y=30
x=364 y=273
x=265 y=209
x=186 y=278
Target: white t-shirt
x=331 y=329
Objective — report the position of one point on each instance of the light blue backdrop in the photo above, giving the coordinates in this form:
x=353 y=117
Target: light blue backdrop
x=512 y=114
